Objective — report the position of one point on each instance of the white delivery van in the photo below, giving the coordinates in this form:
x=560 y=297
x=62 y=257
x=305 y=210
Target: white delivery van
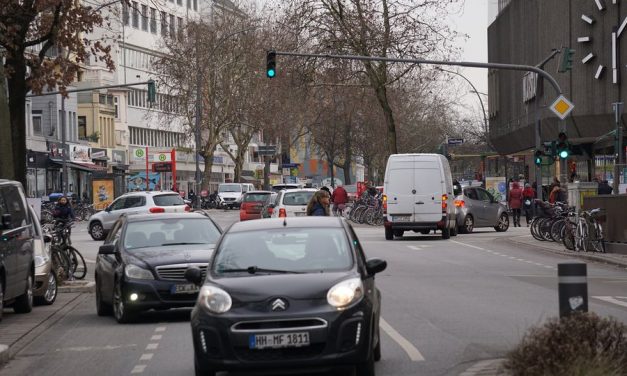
x=230 y=193
x=418 y=195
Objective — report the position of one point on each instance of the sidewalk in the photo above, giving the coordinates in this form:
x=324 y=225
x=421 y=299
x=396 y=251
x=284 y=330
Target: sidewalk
x=615 y=259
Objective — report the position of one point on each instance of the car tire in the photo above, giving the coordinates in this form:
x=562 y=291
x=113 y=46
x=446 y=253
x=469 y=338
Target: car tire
x=102 y=308
x=425 y=232
x=366 y=368
x=201 y=370
x=24 y=302
x=388 y=234
x=97 y=231
x=398 y=233
x=503 y=224
x=468 y=226
x=51 y=292
x=121 y=312
x=446 y=233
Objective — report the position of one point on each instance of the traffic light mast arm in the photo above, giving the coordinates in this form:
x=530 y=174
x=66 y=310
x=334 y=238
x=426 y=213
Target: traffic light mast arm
x=89 y=89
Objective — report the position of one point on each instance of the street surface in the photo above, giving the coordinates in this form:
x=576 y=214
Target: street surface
x=446 y=306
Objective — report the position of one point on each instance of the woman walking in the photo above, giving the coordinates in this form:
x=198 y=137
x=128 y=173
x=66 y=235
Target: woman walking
x=515 y=202
x=528 y=196
x=319 y=204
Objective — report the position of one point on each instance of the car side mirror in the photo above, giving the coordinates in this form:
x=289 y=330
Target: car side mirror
x=106 y=249
x=375 y=265
x=194 y=275
x=47 y=238
x=7 y=222
x=108 y=208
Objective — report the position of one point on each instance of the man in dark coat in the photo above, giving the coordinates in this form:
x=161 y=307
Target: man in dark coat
x=605 y=188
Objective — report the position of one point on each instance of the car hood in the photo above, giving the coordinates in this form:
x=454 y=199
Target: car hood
x=259 y=287
x=230 y=194
x=179 y=254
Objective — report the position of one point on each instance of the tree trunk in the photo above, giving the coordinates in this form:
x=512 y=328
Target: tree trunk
x=389 y=119
x=348 y=154
x=239 y=165
x=6 y=150
x=208 y=156
x=17 y=111
x=332 y=167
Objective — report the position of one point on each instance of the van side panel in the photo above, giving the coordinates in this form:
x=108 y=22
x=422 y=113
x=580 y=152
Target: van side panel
x=399 y=176
x=429 y=186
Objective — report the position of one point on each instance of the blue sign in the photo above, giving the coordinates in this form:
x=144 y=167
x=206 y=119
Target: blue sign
x=138 y=181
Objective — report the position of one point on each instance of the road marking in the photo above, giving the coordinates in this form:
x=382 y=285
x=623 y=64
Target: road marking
x=95 y=348
x=138 y=369
x=160 y=329
x=611 y=299
x=156 y=337
x=411 y=351
x=152 y=346
x=147 y=356
x=468 y=245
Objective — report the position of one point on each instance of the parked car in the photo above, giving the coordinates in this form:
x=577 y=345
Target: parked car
x=268 y=206
x=17 y=258
x=46 y=287
x=142 y=263
x=292 y=202
x=476 y=207
x=287 y=296
x=418 y=195
x=134 y=203
x=283 y=186
x=252 y=204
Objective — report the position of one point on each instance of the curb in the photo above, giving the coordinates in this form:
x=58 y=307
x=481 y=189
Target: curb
x=582 y=255
x=4 y=354
x=78 y=286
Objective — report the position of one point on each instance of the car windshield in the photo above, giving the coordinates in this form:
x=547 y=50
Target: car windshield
x=165 y=232
x=168 y=200
x=297 y=198
x=296 y=250
x=229 y=188
x=256 y=197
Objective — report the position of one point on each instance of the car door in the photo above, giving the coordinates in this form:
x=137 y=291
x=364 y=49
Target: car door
x=491 y=207
x=429 y=188
x=474 y=205
x=106 y=264
x=133 y=205
x=113 y=212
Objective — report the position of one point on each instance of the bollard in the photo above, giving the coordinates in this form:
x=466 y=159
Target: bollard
x=573 y=288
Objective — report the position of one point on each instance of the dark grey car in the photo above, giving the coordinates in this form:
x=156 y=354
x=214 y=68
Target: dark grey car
x=476 y=207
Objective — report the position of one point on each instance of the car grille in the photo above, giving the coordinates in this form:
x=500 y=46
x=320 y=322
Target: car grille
x=272 y=325
x=229 y=199
x=177 y=272
x=244 y=353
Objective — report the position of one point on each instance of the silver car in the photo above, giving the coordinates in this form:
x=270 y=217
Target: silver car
x=476 y=207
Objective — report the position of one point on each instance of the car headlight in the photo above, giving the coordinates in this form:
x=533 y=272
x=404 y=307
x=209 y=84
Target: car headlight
x=214 y=299
x=40 y=261
x=135 y=272
x=345 y=293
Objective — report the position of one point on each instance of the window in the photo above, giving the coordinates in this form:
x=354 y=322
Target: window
x=37 y=131
x=164 y=24
x=189 y=4
x=179 y=2
x=172 y=26
x=180 y=25
x=116 y=106
x=135 y=15
x=15 y=205
x=153 y=20
x=125 y=17
x=168 y=200
x=195 y=4
x=144 y=18
x=134 y=202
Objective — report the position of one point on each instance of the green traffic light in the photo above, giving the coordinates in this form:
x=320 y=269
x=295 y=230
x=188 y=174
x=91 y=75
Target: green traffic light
x=271 y=73
x=564 y=154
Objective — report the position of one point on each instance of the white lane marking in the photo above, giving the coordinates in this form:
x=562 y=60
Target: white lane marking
x=612 y=300
x=156 y=337
x=138 y=369
x=160 y=329
x=411 y=351
x=152 y=346
x=147 y=356
x=95 y=348
x=415 y=248
x=468 y=245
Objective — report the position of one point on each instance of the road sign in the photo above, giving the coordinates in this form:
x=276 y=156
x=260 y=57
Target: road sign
x=162 y=157
x=266 y=150
x=562 y=107
x=455 y=141
x=162 y=167
x=140 y=153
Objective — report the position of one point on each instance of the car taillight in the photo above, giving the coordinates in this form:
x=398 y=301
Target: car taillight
x=156 y=210
x=385 y=204
x=282 y=213
x=444 y=203
x=460 y=203
x=187 y=208
x=270 y=211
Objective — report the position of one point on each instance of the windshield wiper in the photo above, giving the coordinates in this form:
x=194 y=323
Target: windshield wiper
x=256 y=269
x=181 y=243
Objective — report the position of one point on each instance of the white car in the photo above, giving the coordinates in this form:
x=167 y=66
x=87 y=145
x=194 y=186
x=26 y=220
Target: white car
x=134 y=203
x=292 y=202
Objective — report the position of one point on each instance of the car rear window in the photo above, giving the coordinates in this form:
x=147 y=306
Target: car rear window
x=297 y=198
x=168 y=200
x=164 y=232
x=256 y=197
x=292 y=249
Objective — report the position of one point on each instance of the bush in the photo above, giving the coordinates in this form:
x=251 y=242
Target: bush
x=580 y=345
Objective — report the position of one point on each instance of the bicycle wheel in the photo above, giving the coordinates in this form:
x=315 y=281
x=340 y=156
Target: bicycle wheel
x=356 y=214
x=78 y=266
x=60 y=263
x=363 y=215
x=556 y=230
x=545 y=229
x=568 y=238
x=535 y=232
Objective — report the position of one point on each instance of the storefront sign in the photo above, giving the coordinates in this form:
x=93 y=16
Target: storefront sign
x=55 y=149
x=119 y=157
x=80 y=154
x=97 y=153
x=102 y=193
x=497 y=187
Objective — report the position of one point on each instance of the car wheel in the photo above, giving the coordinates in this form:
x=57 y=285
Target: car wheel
x=102 y=308
x=469 y=225
x=503 y=224
x=425 y=232
x=24 y=303
x=366 y=368
x=399 y=233
x=120 y=311
x=202 y=370
x=1 y=298
x=446 y=233
x=51 y=292
x=96 y=230
x=388 y=234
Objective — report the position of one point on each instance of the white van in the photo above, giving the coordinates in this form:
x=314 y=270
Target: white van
x=418 y=195
x=230 y=193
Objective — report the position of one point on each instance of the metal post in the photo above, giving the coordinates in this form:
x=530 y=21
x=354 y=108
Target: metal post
x=572 y=288
x=197 y=123
x=618 y=146
x=64 y=147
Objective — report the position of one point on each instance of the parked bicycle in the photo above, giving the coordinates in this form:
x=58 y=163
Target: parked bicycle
x=68 y=262
x=583 y=232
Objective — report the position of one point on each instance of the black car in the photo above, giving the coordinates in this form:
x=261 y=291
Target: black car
x=142 y=263
x=288 y=294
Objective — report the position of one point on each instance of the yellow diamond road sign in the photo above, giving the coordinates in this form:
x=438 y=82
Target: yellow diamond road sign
x=562 y=107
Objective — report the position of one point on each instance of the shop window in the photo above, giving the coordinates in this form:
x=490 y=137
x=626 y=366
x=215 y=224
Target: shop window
x=37 y=130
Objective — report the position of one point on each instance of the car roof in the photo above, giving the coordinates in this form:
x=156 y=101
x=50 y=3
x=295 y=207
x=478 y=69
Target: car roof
x=291 y=222
x=150 y=193
x=300 y=190
x=156 y=216
x=258 y=192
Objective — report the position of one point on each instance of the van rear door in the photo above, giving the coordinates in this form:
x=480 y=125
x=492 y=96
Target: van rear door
x=398 y=188
x=428 y=183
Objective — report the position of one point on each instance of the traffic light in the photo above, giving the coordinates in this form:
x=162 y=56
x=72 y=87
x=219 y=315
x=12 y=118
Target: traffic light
x=152 y=91
x=271 y=64
x=538 y=157
x=563 y=147
x=566 y=63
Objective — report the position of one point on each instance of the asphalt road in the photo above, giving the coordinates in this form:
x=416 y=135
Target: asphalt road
x=446 y=306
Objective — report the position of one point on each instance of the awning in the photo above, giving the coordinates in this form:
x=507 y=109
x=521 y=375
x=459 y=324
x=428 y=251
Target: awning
x=89 y=167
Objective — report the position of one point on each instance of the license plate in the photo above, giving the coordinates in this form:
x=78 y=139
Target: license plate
x=401 y=218
x=299 y=214
x=278 y=340
x=184 y=289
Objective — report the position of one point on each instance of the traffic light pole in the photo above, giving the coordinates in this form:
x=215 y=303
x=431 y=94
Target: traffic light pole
x=618 y=138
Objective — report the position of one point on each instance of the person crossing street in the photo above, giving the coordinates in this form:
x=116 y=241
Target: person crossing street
x=339 y=199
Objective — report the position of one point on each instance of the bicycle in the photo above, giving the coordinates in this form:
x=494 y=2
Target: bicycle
x=70 y=263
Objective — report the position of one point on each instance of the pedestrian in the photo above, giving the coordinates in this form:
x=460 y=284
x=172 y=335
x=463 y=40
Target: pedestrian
x=528 y=195
x=326 y=189
x=515 y=202
x=191 y=196
x=339 y=198
x=63 y=210
x=605 y=188
x=319 y=204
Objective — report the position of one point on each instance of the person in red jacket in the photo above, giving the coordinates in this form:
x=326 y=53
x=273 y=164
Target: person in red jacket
x=529 y=194
x=340 y=198
x=515 y=202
